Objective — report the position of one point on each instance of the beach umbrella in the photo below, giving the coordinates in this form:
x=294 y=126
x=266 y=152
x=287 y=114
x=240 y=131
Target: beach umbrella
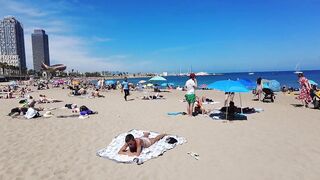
x=247 y=83
x=110 y=82
x=76 y=82
x=157 y=78
x=229 y=86
x=274 y=85
x=142 y=81
x=313 y=82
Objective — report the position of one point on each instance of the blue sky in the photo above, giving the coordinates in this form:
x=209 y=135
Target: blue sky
x=156 y=36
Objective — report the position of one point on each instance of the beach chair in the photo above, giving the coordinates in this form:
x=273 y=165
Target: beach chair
x=268 y=95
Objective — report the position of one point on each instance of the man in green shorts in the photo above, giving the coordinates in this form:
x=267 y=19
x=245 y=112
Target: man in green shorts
x=190 y=96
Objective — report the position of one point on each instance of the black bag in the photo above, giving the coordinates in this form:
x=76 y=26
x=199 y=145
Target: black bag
x=83 y=108
x=171 y=140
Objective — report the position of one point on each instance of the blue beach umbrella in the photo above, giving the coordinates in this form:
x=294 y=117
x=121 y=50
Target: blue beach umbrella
x=313 y=82
x=157 y=78
x=167 y=84
x=228 y=86
x=247 y=83
x=110 y=82
x=274 y=85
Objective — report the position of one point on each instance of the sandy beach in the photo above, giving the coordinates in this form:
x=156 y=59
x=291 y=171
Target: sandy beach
x=282 y=142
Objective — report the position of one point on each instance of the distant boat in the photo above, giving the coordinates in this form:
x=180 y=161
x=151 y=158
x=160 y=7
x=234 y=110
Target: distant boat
x=298 y=69
x=251 y=73
x=202 y=74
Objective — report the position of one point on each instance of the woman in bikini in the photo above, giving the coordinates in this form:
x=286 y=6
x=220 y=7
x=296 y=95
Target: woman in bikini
x=136 y=145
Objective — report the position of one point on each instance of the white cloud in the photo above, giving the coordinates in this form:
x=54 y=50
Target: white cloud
x=22 y=9
x=71 y=50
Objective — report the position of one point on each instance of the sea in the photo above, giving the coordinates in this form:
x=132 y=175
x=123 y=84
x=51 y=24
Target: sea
x=285 y=78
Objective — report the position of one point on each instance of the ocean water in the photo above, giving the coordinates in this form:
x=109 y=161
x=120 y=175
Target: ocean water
x=287 y=78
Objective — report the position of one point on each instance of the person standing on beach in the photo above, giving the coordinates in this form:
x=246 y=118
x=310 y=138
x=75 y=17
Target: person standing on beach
x=190 y=96
x=305 y=88
x=125 y=88
x=259 y=88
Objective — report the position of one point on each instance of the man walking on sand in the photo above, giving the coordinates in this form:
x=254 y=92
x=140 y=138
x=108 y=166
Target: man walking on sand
x=125 y=88
x=190 y=96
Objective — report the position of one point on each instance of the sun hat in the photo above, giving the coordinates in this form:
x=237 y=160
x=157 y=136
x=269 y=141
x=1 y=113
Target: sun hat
x=48 y=114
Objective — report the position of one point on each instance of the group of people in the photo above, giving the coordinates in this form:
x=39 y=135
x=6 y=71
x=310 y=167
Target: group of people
x=308 y=92
x=13 y=91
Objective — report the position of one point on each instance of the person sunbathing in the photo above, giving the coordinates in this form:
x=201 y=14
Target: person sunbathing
x=133 y=146
x=44 y=99
x=96 y=93
x=151 y=97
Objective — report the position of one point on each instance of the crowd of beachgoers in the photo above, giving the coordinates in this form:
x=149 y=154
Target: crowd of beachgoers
x=63 y=122
x=31 y=106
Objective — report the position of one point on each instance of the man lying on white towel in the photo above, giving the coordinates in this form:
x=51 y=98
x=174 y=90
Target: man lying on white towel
x=133 y=146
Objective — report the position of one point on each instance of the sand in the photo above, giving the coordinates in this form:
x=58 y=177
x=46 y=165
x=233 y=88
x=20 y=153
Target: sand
x=282 y=142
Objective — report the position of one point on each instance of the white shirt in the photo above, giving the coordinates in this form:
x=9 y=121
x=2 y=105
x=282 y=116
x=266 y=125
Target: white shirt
x=190 y=85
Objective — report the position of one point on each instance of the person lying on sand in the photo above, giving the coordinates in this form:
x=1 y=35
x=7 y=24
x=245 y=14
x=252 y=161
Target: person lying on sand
x=96 y=93
x=44 y=99
x=156 y=96
x=133 y=146
x=84 y=110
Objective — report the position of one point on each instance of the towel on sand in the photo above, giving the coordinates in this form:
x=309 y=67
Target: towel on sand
x=155 y=150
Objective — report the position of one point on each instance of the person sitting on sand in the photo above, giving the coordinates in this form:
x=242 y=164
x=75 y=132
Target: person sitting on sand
x=96 y=93
x=136 y=145
x=82 y=91
x=22 y=92
x=199 y=109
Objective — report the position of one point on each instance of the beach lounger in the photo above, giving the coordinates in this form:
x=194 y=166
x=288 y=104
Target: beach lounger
x=155 y=150
x=268 y=95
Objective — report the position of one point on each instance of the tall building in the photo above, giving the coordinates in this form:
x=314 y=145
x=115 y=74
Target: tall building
x=12 y=49
x=40 y=49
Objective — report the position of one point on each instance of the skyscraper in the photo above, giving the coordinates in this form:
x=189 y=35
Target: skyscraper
x=40 y=49
x=12 y=49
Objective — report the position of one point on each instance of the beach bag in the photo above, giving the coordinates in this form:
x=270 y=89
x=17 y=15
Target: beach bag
x=83 y=108
x=316 y=104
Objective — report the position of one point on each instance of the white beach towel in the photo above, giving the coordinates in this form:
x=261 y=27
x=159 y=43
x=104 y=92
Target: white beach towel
x=157 y=149
x=215 y=102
